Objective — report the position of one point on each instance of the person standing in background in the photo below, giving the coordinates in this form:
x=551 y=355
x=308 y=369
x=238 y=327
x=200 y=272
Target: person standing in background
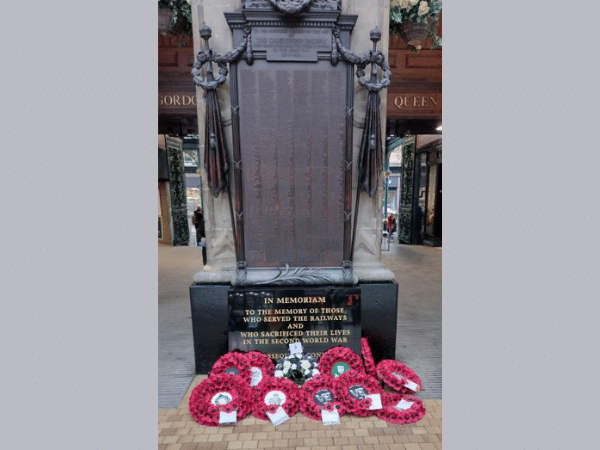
x=390 y=224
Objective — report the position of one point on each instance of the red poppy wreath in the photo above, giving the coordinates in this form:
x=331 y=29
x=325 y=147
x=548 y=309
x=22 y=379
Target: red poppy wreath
x=401 y=409
x=273 y=393
x=338 y=360
x=398 y=376
x=356 y=389
x=261 y=367
x=235 y=363
x=223 y=392
x=368 y=358
x=320 y=392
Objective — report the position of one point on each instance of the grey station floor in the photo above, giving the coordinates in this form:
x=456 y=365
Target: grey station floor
x=418 y=272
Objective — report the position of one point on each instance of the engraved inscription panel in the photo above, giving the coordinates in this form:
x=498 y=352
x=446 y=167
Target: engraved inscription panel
x=269 y=319
x=292 y=131
x=291 y=44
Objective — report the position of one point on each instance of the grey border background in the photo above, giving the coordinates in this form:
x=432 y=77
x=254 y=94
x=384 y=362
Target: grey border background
x=79 y=320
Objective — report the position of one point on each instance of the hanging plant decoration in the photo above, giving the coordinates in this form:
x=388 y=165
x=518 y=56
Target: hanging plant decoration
x=399 y=376
x=261 y=366
x=180 y=21
x=235 y=363
x=368 y=360
x=337 y=360
x=401 y=409
x=220 y=393
x=356 y=387
x=321 y=392
x=415 y=21
x=273 y=393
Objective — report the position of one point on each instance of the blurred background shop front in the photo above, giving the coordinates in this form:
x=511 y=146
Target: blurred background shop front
x=413 y=177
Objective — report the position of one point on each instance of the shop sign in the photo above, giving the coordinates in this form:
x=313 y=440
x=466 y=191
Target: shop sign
x=416 y=101
x=414 y=105
x=176 y=100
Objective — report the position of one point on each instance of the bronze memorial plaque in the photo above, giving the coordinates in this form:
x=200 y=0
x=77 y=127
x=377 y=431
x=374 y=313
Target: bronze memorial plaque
x=291 y=44
x=292 y=137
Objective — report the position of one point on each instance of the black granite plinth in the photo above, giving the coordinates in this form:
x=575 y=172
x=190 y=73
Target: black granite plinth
x=210 y=320
x=209 y=323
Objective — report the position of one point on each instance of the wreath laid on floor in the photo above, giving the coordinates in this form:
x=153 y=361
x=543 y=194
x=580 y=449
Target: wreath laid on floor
x=356 y=387
x=401 y=409
x=399 y=376
x=321 y=392
x=235 y=363
x=338 y=360
x=243 y=382
x=261 y=366
x=272 y=393
x=220 y=393
x=367 y=355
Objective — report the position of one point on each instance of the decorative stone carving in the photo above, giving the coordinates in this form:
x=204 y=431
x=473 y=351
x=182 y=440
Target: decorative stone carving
x=370 y=161
x=290 y=6
x=293 y=276
x=294 y=6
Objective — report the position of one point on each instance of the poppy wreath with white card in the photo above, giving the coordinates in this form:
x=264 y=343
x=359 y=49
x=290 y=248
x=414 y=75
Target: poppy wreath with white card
x=261 y=366
x=222 y=393
x=321 y=392
x=399 y=376
x=401 y=409
x=272 y=393
x=338 y=360
x=358 y=391
x=235 y=363
x=365 y=350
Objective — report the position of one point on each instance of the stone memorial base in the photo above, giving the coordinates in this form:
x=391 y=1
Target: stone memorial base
x=212 y=320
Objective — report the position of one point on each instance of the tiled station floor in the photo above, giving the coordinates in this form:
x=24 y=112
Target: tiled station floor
x=418 y=272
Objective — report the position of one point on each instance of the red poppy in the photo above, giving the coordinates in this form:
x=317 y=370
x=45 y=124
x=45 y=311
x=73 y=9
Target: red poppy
x=272 y=408
x=329 y=406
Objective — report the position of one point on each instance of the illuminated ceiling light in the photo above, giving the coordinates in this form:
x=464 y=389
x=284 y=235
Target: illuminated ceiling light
x=439 y=128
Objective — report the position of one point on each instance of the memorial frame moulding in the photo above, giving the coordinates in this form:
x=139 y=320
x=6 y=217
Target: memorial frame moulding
x=265 y=19
x=209 y=293
x=260 y=16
